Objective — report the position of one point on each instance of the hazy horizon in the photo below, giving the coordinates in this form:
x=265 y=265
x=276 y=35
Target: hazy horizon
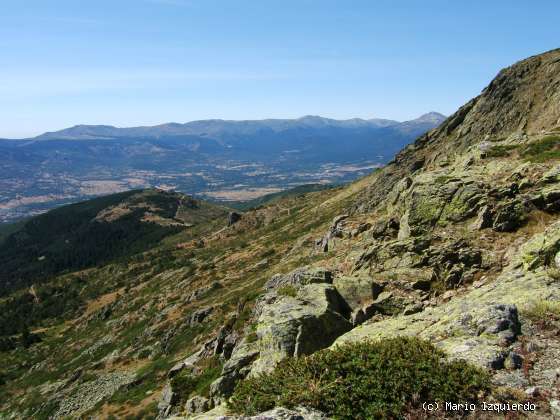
x=143 y=63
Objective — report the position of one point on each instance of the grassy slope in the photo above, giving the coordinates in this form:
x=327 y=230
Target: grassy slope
x=70 y=237
x=155 y=284
x=268 y=198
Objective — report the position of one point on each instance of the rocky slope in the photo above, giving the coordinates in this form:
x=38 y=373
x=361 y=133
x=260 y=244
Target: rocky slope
x=456 y=241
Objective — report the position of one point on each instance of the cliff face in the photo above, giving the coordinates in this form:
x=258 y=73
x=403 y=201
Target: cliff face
x=457 y=241
x=523 y=99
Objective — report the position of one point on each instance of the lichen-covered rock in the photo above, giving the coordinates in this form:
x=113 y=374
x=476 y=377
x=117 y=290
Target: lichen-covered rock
x=547 y=199
x=287 y=326
x=285 y=414
x=464 y=204
x=552 y=175
x=357 y=290
x=424 y=205
x=555 y=408
x=237 y=367
x=479 y=326
x=294 y=326
x=279 y=413
x=541 y=249
x=483 y=219
x=509 y=217
x=197 y=404
x=299 y=277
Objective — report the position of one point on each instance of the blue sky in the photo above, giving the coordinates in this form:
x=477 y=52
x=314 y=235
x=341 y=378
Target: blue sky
x=143 y=62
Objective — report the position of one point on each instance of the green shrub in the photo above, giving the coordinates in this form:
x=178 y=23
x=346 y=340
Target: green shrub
x=363 y=380
x=287 y=290
x=542 y=150
x=186 y=384
x=501 y=150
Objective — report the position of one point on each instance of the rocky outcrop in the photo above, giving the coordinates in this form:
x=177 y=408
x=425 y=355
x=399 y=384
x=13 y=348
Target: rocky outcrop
x=336 y=230
x=200 y=315
x=232 y=218
x=292 y=326
x=480 y=325
x=236 y=368
x=279 y=413
x=300 y=314
x=299 y=277
x=197 y=404
x=79 y=398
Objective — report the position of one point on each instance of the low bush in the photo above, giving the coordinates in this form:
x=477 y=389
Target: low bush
x=542 y=150
x=287 y=290
x=363 y=380
x=501 y=150
x=186 y=384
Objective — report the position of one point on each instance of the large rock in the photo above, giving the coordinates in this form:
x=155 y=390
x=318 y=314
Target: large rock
x=483 y=219
x=357 y=290
x=236 y=368
x=336 y=230
x=295 y=326
x=287 y=325
x=509 y=217
x=279 y=413
x=423 y=206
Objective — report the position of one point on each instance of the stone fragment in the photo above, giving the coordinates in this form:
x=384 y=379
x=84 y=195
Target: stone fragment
x=513 y=361
x=197 y=404
x=533 y=392
x=413 y=309
x=232 y=218
x=483 y=219
x=555 y=408
x=200 y=315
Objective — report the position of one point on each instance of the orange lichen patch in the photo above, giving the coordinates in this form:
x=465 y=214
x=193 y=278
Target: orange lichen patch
x=175 y=314
x=101 y=301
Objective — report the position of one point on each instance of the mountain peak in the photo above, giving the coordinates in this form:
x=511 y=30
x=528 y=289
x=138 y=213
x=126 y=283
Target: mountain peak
x=433 y=117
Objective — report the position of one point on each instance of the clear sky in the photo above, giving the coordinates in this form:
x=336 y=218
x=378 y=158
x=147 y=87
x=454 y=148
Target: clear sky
x=143 y=62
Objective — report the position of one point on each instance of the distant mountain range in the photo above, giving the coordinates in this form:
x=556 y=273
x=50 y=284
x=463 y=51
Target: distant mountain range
x=222 y=128
x=214 y=159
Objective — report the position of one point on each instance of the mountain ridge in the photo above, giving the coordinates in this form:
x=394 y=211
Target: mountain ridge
x=198 y=127
x=217 y=159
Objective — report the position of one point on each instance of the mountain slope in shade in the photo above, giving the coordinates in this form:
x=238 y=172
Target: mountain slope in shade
x=91 y=233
